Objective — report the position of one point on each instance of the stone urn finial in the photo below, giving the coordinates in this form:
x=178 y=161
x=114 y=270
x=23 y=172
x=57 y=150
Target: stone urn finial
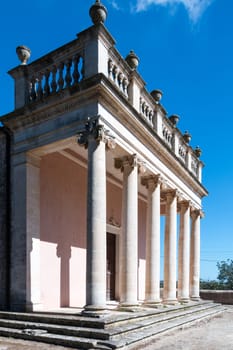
x=174 y=119
x=157 y=95
x=98 y=13
x=198 y=151
x=187 y=137
x=132 y=60
x=24 y=53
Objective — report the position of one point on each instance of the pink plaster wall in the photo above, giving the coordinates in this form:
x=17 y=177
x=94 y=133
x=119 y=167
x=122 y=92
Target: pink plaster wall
x=63 y=232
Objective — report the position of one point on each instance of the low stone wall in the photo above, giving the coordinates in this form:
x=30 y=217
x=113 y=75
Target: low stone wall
x=218 y=296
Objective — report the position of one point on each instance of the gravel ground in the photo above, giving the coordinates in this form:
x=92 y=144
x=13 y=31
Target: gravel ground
x=214 y=334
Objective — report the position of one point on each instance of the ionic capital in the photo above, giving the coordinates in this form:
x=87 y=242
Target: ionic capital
x=151 y=181
x=130 y=162
x=96 y=131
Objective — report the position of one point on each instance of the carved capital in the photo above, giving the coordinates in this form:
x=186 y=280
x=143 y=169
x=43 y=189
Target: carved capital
x=151 y=181
x=169 y=195
x=183 y=205
x=130 y=162
x=195 y=213
x=96 y=131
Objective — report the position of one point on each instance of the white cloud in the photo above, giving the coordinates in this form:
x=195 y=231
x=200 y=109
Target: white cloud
x=114 y=4
x=195 y=8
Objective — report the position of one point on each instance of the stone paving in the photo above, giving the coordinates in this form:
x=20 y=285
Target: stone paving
x=214 y=334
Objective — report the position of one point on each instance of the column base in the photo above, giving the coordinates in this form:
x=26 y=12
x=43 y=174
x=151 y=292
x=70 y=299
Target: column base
x=152 y=303
x=170 y=302
x=95 y=310
x=129 y=307
x=184 y=300
x=195 y=298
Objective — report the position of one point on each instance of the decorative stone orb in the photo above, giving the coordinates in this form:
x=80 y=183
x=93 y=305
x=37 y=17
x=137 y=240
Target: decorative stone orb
x=132 y=60
x=24 y=53
x=187 y=137
x=198 y=151
x=174 y=119
x=157 y=95
x=98 y=13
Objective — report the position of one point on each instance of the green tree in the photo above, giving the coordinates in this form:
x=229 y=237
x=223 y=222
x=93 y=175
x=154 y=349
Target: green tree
x=225 y=273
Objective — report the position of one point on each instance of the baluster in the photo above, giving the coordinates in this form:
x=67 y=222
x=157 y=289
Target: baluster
x=60 y=78
x=54 y=79
x=68 y=78
x=39 y=86
x=151 y=117
x=115 y=71
x=82 y=69
x=120 y=80
x=76 y=75
x=125 y=86
x=110 y=68
x=33 y=89
x=29 y=93
x=46 y=85
x=140 y=102
x=143 y=107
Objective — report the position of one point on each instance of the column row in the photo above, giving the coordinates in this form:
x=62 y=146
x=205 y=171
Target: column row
x=95 y=139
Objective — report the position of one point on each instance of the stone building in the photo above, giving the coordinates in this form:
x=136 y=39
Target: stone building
x=89 y=163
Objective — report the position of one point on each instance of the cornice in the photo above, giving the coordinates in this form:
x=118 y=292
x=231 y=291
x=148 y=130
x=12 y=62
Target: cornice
x=99 y=89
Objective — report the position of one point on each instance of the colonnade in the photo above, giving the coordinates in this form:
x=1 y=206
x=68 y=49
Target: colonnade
x=95 y=139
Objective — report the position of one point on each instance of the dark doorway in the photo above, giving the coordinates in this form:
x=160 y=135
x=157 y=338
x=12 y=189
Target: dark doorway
x=111 y=266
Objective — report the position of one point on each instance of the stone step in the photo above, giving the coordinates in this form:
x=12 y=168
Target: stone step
x=135 y=340
x=104 y=322
x=116 y=335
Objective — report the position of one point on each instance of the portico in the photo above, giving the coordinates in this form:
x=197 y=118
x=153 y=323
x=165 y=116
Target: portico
x=94 y=153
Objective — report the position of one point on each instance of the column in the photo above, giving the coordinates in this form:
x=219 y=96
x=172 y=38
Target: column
x=184 y=252
x=152 y=240
x=96 y=224
x=129 y=237
x=25 y=240
x=169 y=290
x=195 y=256
x=95 y=139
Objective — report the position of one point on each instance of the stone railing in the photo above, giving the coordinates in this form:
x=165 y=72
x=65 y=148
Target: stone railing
x=52 y=73
x=167 y=132
x=118 y=74
x=182 y=151
x=147 y=109
x=52 y=78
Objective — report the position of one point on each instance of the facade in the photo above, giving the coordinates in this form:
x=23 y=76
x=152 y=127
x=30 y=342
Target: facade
x=89 y=164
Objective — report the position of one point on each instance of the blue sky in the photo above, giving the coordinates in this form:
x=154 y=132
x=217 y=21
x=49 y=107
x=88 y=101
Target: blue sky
x=185 y=49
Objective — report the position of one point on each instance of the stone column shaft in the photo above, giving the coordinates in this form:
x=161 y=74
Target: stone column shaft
x=96 y=226
x=195 y=256
x=129 y=165
x=184 y=252
x=95 y=138
x=153 y=240
x=169 y=291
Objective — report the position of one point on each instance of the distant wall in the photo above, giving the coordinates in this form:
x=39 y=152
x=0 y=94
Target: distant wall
x=3 y=221
x=218 y=296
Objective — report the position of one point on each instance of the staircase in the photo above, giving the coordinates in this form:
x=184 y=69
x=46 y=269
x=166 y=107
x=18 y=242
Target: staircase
x=115 y=330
